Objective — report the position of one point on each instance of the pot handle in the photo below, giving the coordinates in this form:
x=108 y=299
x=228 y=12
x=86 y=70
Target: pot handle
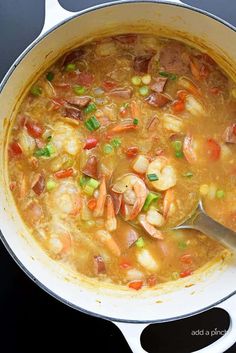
x=229 y=338
x=132 y=332
x=55 y=13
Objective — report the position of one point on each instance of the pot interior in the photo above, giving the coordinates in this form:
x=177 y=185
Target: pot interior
x=198 y=292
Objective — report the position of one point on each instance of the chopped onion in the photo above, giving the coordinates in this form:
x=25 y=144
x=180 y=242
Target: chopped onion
x=193 y=106
x=172 y=123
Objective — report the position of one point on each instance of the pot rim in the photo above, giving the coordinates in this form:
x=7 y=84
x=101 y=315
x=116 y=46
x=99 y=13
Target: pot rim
x=2 y=85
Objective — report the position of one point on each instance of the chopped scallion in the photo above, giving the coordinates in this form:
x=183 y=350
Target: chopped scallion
x=70 y=67
x=140 y=242
x=179 y=154
x=46 y=151
x=135 y=121
x=79 y=90
x=107 y=148
x=168 y=74
x=92 y=123
x=143 y=90
x=90 y=108
x=93 y=183
x=175 y=276
x=116 y=142
x=187 y=174
x=36 y=91
x=149 y=199
x=220 y=194
x=177 y=145
x=146 y=79
x=89 y=190
x=51 y=184
x=182 y=245
x=152 y=177
x=136 y=80
x=83 y=180
x=50 y=76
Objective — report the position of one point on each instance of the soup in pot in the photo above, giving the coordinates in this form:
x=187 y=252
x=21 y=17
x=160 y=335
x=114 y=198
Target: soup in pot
x=113 y=145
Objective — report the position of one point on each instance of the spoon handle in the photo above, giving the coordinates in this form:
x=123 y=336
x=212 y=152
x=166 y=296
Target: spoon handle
x=205 y=224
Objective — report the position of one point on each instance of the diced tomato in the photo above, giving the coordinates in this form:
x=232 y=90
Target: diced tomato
x=108 y=85
x=132 y=151
x=182 y=94
x=91 y=142
x=186 y=259
x=14 y=149
x=152 y=281
x=123 y=111
x=64 y=173
x=125 y=264
x=178 y=106
x=34 y=129
x=92 y=203
x=213 y=149
x=185 y=273
x=136 y=284
x=85 y=79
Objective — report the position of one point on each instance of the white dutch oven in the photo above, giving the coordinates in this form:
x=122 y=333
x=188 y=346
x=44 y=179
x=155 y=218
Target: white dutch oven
x=131 y=312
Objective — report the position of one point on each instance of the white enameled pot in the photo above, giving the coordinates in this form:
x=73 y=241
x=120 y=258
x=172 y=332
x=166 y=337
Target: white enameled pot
x=130 y=311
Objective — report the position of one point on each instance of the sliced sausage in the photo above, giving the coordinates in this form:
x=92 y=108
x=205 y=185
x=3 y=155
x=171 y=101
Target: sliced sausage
x=91 y=167
x=38 y=185
x=174 y=58
x=80 y=102
x=158 y=99
x=159 y=84
x=141 y=63
x=125 y=92
x=99 y=265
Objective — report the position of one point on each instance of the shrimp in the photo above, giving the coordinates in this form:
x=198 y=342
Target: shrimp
x=98 y=211
x=65 y=138
x=65 y=199
x=134 y=194
x=111 y=222
x=165 y=173
x=150 y=229
x=60 y=241
x=105 y=237
x=188 y=149
x=168 y=202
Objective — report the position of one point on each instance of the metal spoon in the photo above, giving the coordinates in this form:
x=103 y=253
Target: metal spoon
x=199 y=220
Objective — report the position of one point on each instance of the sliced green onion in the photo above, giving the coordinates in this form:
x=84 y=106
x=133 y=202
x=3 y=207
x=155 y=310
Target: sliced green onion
x=70 y=67
x=107 y=148
x=182 y=245
x=143 y=90
x=116 y=142
x=135 y=121
x=152 y=177
x=79 y=90
x=36 y=91
x=50 y=76
x=125 y=105
x=146 y=79
x=49 y=138
x=83 y=180
x=177 y=145
x=92 y=123
x=136 y=80
x=179 y=154
x=187 y=174
x=220 y=194
x=149 y=199
x=140 y=242
x=46 y=151
x=51 y=184
x=93 y=183
x=90 y=108
x=89 y=190
x=168 y=74
x=175 y=276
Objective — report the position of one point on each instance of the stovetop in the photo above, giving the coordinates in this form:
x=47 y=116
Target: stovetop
x=33 y=321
